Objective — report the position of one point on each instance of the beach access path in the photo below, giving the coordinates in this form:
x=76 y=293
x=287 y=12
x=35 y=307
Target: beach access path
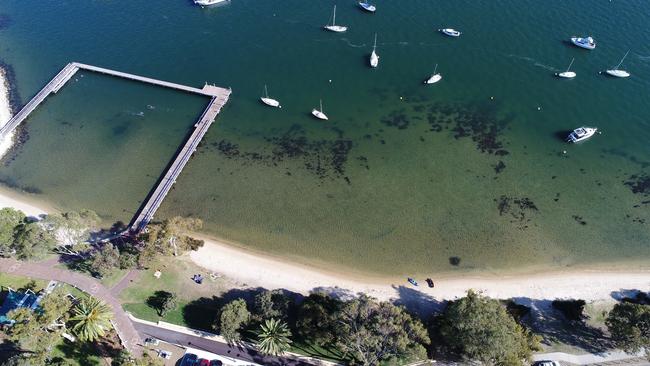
x=126 y=331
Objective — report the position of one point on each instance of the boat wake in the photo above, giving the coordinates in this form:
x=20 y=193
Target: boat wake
x=349 y=43
x=533 y=61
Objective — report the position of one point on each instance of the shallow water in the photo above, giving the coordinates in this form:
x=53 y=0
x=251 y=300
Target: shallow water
x=403 y=178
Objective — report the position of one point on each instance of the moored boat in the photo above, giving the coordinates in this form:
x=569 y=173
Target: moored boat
x=269 y=101
x=319 y=113
x=581 y=134
x=616 y=72
x=434 y=78
x=208 y=2
x=450 y=32
x=367 y=6
x=374 y=58
x=333 y=27
x=567 y=74
x=586 y=42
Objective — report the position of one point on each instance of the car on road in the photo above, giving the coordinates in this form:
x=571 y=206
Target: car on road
x=203 y=362
x=216 y=363
x=151 y=341
x=189 y=359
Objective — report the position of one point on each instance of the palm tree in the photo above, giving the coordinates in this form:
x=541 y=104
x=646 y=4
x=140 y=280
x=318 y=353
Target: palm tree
x=91 y=319
x=273 y=339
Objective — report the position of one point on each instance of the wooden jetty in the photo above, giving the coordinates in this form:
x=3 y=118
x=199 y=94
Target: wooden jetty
x=219 y=97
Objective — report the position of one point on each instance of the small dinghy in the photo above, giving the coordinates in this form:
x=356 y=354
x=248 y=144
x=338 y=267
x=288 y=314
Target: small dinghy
x=586 y=43
x=450 y=32
x=269 y=101
x=319 y=113
x=374 y=58
x=567 y=74
x=581 y=134
x=434 y=78
x=333 y=27
x=412 y=281
x=367 y=6
x=619 y=73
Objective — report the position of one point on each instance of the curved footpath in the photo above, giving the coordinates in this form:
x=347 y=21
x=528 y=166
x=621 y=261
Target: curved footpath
x=128 y=335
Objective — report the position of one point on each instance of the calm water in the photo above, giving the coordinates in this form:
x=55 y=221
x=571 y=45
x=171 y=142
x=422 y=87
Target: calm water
x=403 y=177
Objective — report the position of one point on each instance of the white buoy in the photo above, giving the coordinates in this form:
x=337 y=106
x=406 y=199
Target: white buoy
x=330 y=80
x=401 y=98
x=539 y=108
x=563 y=151
x=491 y=98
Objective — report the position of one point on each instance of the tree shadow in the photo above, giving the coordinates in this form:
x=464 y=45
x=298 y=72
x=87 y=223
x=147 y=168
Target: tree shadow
x=203 y=312
x=82 y=354
x=553 y=327
x=626 y=294
x=417 y=302
x=335 y=292
x=114 y=230
x=157 y=300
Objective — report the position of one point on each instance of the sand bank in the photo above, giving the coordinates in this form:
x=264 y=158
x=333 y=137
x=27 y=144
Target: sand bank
x=252 y=269
x=5 y=112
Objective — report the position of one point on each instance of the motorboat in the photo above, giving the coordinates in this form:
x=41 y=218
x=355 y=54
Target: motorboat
x=367 y=6
x=581 y=134
x=333 y=27
x=434 y=78
x=269 y=101
x=450 y=32
x=619 y=73
x=567 y=74
x=208 y=2
x=587 y=42
x=374 y=58
x=319 y=113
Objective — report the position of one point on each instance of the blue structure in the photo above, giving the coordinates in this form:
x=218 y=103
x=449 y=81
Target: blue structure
x=17 y=300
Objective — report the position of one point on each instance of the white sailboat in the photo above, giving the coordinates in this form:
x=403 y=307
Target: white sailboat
x=319 y=113
x=619 y=73
x=208 y=2
x=450 y=32
x=334 y=27
x=269 y=101
x=374 y=58
x=567 y=74
x=434 y=78
x=365 y=5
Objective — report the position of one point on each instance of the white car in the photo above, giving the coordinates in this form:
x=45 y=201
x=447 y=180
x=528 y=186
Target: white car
x=164 y=354
x=151 y=342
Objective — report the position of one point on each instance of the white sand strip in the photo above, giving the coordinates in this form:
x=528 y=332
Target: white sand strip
x=264 y=271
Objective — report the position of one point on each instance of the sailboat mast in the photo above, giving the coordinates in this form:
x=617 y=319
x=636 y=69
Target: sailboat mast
x=571 y=63
x=321 y=105
x=375 y=45
x=266 y=92
x=334 y=16
x=435 y=69
x=620 y=63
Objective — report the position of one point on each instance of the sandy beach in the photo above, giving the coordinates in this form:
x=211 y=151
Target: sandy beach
x=253 y=270
x=5 y=112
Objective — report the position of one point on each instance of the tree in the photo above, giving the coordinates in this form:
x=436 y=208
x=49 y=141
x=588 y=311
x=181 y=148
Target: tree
x=273 y=338
x=91 y=319
x=55 y=308
x=32 y=241
x=481 y=329
x=233 y=316
x=72 y=230
x=316 y=320
x=105 y=260
x=30 y=334
x=10 y=219
x=375 y=332
x=124 y=358
x=270 y=304
x=169 y=237
x=162 y=301
x=629 y=326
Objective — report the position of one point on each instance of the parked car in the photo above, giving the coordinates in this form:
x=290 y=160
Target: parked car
x=203 y=362
x=547 y=363
x=216 y=363
x=151 y=341
x=164 y=354
x=189 y=359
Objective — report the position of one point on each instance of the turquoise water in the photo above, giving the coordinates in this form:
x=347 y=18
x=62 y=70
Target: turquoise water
x=403 y=177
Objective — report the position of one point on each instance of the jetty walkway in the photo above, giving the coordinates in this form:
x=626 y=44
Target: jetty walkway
x=219 y=97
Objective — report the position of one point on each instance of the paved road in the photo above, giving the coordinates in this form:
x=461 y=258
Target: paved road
x=213 y=346
x=46 y=271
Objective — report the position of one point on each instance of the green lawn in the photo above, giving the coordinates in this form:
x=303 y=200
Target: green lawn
x=18 y=282
x=196 y=303
x=108 y=281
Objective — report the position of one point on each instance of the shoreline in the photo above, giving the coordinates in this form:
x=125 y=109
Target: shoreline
x=5 y=112
x=251 y=269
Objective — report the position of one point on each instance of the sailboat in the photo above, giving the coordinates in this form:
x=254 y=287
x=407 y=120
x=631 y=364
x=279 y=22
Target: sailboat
x=269 y=101
x=567 y=74
x=619 y=73
x=334 y=27
x=374 y=59
x=434 y=78
x=319 y=113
